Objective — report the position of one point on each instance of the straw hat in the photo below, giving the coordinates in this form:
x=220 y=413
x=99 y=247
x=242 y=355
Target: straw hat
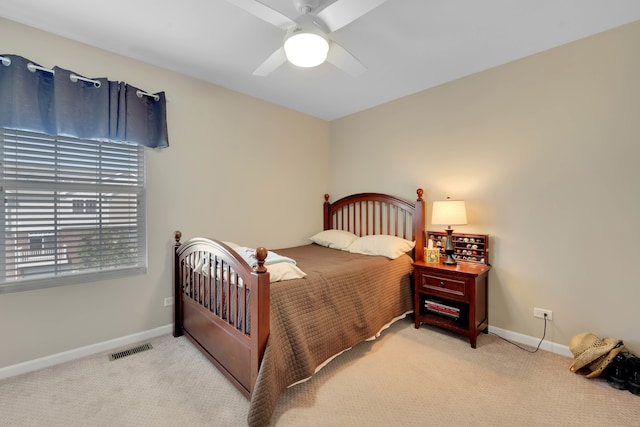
x=593 y=354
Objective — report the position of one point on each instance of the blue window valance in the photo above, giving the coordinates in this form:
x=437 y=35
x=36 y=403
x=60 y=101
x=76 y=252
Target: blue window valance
x=60 y=102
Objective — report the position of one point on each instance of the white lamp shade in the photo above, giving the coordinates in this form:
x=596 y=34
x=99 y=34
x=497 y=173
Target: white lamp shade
x=449 y=212
x=306 y=49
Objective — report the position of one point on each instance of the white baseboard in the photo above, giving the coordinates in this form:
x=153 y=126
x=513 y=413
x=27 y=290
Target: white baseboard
x=532 y=341
x=45 y=362
x=66 y=356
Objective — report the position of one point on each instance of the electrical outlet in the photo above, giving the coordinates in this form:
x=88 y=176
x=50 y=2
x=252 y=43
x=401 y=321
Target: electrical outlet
x=168 y=301
x=540 y=312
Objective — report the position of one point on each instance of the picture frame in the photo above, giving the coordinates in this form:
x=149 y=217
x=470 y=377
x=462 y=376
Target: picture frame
x=432 y=256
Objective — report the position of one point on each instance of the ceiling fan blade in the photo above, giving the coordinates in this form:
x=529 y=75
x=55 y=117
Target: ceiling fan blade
x=344 y=12
x=342 y=59
x=276 y=59
x=264 y=12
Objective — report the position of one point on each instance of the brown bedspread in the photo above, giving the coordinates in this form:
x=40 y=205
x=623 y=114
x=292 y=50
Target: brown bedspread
x=332 y=309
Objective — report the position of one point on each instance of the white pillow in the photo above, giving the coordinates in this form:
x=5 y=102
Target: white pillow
x=335 y=239
x=390 y=246
x=284 y=271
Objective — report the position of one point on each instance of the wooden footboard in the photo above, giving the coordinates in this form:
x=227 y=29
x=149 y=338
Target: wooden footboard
x=222 y=306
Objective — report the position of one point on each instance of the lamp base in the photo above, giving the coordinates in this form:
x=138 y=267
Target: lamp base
x=449 y=260
x=449 y=249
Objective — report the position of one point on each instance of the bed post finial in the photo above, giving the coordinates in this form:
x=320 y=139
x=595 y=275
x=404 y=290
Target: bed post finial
x=177 y=236
x=261 y=255
x=326 y=197
x=420 y=192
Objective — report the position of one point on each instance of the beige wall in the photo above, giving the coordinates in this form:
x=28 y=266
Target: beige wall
x=545 y=151
x=277 y=161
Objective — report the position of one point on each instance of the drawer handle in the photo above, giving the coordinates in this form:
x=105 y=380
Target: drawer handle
x=441 y=284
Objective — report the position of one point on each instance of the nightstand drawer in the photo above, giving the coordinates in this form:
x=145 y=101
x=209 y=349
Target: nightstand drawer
x=443 y=285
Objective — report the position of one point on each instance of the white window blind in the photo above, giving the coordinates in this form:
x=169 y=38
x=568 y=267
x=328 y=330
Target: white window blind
x=74 y=210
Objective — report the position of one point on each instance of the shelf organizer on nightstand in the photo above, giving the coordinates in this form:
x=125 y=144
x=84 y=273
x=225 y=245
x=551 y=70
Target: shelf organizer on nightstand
x=467 y=247
x=453 y=297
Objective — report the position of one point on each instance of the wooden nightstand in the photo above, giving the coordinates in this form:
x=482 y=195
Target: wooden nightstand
x=452 y=297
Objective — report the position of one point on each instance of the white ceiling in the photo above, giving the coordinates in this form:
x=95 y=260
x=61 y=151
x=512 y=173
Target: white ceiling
x=407 y=45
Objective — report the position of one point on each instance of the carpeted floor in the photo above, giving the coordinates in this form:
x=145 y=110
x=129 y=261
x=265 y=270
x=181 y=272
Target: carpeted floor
x=407 y=377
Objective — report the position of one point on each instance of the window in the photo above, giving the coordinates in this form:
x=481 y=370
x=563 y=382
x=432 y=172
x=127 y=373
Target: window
x=39 y=241
x=74 y=210
x=85 y=206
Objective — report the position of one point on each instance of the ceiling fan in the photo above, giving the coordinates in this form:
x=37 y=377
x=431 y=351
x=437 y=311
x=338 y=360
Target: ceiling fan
x=307 y=42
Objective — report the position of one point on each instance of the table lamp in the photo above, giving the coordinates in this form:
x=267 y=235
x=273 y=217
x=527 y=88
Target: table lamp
x=449 y=212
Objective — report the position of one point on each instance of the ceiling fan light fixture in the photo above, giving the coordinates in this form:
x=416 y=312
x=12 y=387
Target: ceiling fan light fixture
x=306 y=49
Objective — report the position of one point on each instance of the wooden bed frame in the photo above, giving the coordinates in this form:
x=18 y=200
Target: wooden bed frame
x=230 y=324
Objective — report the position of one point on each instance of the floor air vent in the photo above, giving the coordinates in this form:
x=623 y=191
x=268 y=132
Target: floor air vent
x=129 y=352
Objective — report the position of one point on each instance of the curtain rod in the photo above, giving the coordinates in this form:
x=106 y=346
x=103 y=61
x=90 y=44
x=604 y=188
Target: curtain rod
x=73 y=77
x=150 y=95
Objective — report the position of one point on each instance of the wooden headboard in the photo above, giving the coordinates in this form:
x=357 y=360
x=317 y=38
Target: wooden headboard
x=373 y=213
